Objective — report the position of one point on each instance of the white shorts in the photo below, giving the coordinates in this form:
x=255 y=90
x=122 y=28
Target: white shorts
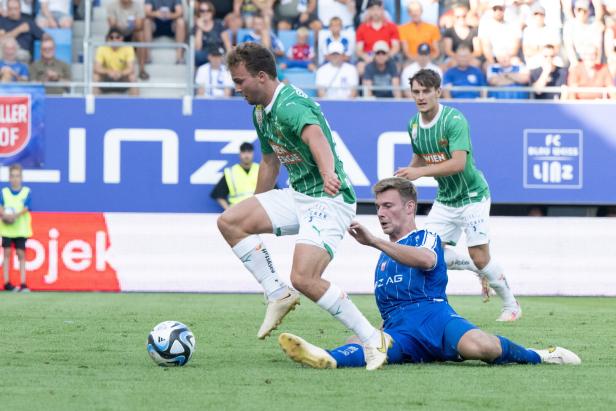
x=319 y=221
x=448 y=222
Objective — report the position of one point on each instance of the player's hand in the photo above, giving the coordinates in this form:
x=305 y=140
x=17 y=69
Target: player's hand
x=331 y=183
x=410 y=173
x=361 y=234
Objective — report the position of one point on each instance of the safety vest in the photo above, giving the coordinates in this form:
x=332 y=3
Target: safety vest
x=241 y=184
x=22 y=227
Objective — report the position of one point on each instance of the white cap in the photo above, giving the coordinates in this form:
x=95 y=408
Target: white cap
x=495 y=3
x=335 y=47
x=381 y=45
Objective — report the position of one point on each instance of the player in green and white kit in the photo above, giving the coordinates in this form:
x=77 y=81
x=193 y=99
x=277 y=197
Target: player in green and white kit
x=319 y=207
x=442 y=149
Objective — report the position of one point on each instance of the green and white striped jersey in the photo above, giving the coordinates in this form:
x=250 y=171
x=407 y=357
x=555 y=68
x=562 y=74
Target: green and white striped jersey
x=434 y=142
x=279 y=127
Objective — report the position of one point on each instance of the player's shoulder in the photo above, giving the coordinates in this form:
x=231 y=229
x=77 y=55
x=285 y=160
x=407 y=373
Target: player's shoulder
x=423 y=238
x=293 y=101
x=452 y=116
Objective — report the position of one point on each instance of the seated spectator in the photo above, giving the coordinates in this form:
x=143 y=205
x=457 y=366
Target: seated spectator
x=49 y=69
x=375 y=28
x=213 y=78
x=249 y=9
x=165 y=18
x=534 y=37
x=430 y=9
x=518 y=12
x=293 y=14
x=26 y=7
x=588 y=73
x=550 y=73
x=21 y=28
x=507 y=72
x=262 y=34
x=11 y=70
x=422 y=61
x=301 y=54
x=463 y=74
x=129 y=17
x=580 y=33
x=343 y=9
x=416 y=32
x=461 y=33
x=233 y=24
x=337 y=79
x=381 y=75
x=497 y=36
x=114 y=64
x=335 y=34
x=207 y=32
x=54 y=14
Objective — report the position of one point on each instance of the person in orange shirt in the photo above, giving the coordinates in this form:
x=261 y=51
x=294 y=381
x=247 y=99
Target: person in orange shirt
x=416 y=32
x=588 y=73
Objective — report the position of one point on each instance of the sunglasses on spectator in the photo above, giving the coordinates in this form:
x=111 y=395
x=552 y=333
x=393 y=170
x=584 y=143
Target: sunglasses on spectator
x=205 y=10
x=380 y=52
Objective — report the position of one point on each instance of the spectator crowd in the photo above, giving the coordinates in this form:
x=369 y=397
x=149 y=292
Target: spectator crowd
x=342 y=48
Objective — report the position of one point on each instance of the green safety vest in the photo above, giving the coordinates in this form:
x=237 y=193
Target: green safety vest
x=241 y=184
x=22 y=227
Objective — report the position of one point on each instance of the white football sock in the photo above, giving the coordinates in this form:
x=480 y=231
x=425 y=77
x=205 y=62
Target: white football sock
x=338 y=304
x=252 y=252
x=494 y=273
x=457 y=261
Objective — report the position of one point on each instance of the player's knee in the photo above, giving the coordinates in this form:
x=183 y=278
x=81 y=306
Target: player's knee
x=225 y=222
x=300 y=282
x=480 y=259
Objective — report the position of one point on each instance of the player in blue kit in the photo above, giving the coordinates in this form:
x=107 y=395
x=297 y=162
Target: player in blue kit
x=410 y=283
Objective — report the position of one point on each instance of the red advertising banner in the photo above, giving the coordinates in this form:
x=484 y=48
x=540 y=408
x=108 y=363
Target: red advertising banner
x=68 y=252
x=15 y=115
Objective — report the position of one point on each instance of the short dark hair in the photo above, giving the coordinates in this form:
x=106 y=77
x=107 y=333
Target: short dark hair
x=463 y=46
x=404 y=187
x=255 y=57
x=246 y=147
x=427 y=78
x=114 y=30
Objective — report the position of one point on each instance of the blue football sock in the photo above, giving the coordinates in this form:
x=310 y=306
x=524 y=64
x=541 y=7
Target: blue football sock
x=350 y=355
x=514 y=353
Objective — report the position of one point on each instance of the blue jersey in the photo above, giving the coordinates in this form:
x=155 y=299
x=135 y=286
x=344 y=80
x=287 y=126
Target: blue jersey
x=397 y=285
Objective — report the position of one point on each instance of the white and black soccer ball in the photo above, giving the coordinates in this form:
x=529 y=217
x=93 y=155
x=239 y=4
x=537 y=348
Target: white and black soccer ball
x=170 y=344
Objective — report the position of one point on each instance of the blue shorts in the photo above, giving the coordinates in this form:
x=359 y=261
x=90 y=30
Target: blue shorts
x=426 y=332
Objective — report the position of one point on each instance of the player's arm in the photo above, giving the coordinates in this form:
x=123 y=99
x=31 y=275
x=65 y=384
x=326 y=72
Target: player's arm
x=313 y=137
x=419 y=257
x=268 y=172
x=454 y=165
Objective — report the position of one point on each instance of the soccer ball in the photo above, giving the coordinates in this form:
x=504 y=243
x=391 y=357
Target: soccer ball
x=171 y=343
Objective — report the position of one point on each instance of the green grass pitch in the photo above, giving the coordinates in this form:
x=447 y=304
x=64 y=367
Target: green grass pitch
x=63 y=351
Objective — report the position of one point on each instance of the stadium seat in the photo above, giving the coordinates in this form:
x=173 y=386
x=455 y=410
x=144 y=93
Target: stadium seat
x=390 y=7
x=303 y=79
x=241 y=33
x=64 y=45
